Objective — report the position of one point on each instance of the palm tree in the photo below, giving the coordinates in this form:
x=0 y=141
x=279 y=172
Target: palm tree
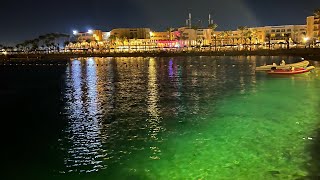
x=268 y=36
x=34 y=44
x=213 y=26
x=317 y=13
x=242 y=30
x=287 y=35
x=250 y=34
x=222 y=36
x=195 y=27
x=169 y=30
x=111 y=41
x=228 y=35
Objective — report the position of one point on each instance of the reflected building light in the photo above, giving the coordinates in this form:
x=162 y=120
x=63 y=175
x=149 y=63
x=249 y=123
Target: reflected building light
x=83 y=131
x=154 y=120
x=242 y=85
x=171 y=73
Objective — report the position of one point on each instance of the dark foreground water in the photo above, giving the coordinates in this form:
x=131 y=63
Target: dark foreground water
x=158 y=118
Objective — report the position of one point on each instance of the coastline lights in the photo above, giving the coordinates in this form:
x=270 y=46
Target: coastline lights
x=75 y=32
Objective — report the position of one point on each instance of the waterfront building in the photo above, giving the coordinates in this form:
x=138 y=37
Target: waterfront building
x=281 y=34
x=105 y=36
x=90 y=35
x=164 y=35
x=259 y=37
x=131 y=33
x=195 y=36
x=313 y=29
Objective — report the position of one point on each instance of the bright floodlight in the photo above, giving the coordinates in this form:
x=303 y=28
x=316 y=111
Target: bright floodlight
x=306 y=39
x=90 y=31
x=75 y=32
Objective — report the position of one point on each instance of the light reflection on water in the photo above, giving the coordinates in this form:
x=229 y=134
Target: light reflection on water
x=83 y=112
x=154 y=120
x=119 y=107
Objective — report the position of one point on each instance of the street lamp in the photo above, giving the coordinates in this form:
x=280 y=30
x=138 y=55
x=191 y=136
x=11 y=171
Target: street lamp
x=306 y=39
x=75 y=32
x=90 y=31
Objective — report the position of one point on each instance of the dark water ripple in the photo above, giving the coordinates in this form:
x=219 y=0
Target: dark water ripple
x=117 y=107
x=113 y=112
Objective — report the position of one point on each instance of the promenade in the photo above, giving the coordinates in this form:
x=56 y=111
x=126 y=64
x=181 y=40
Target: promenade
x=307 y=53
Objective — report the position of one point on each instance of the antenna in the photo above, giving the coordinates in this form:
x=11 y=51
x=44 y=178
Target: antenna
x=190 y=20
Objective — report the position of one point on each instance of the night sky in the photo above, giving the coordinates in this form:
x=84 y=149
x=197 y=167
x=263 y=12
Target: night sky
x=23 y=20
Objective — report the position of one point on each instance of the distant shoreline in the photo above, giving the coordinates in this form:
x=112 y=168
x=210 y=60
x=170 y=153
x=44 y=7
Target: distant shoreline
x=307 y=53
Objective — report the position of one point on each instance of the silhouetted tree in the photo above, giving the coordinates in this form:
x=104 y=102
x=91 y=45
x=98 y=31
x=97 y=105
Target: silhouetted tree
x=287 y=35
x=242 y=30
x=317 y=12
x=268 y=36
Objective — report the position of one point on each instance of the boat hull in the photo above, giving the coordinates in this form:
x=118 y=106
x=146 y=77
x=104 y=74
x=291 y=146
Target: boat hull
x=302 y=64
x=291 y=72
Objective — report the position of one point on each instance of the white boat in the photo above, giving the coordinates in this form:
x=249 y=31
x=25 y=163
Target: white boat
x=302 y=64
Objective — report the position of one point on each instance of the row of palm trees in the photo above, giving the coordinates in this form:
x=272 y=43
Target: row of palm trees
x=48 y=42
x=316 y=13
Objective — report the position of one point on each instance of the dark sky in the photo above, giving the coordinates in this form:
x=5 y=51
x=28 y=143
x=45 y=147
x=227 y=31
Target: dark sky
x=26 y=19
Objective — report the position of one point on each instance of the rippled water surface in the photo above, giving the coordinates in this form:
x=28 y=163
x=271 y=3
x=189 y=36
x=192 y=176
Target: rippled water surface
x=160 y=118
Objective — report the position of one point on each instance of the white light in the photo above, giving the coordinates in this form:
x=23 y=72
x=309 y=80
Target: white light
x=90 y=31
x=75 y=32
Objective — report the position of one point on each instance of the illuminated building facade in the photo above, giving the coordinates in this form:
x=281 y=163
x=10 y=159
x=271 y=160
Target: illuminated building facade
x=160 y=35
x=257 y=36
x=131 y=33
x=293 y=33
x=91 y=35
x=313 y=28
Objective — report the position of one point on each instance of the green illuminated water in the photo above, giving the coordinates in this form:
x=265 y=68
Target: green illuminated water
x=181 y=118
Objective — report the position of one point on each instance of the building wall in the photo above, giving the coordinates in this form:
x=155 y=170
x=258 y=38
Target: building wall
x=313 y=28
x=131 y=33
x=96 y=35
x=278 y=33
x=159 y=36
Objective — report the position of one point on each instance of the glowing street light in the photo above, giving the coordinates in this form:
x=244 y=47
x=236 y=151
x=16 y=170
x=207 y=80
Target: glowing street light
x=75 y=32
x=306 y=39
x=90 y=31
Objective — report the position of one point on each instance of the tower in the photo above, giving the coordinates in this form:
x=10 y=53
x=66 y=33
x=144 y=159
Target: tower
x=189 y=21
x=210 y=20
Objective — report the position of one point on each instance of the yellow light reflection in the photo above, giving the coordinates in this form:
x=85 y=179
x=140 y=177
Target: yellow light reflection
x=154 y=119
